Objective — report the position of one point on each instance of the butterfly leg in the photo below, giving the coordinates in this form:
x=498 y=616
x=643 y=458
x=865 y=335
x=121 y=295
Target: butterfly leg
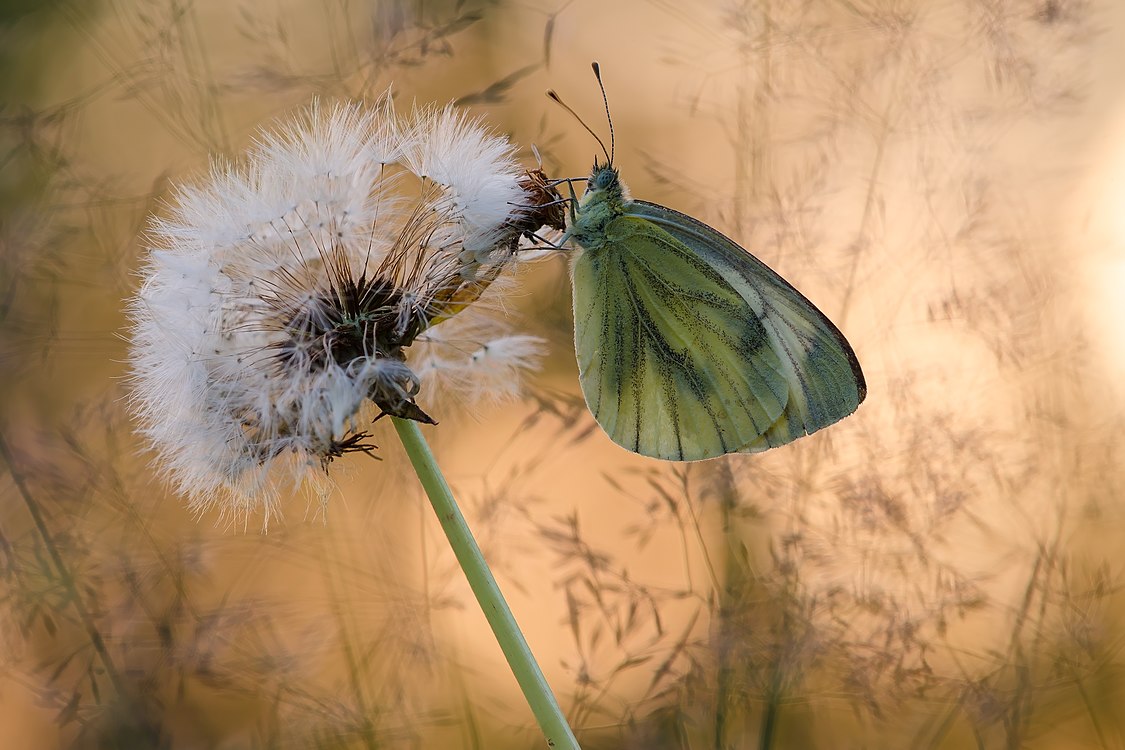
x=573 y=201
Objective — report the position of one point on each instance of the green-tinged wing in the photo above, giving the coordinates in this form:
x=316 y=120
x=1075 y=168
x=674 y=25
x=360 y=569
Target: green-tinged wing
x=674 y=360
x=823 y=377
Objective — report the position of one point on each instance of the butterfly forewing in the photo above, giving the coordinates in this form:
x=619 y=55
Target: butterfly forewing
x=674 y=360
x=824 y=380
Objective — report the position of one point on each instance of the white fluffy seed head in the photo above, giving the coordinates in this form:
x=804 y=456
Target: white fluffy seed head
x=280 y=295
x=453 y=151
x=477 y=359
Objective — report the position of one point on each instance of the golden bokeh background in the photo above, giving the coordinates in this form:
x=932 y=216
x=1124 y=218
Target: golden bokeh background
x=944 y=178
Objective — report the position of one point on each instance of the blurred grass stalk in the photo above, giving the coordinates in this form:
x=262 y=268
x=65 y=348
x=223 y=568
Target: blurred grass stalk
x=483 y=583
x=909 y=101
x=63 y=571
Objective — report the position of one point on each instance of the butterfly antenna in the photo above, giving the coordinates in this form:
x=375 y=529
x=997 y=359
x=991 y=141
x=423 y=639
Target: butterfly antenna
x=605 y=100
x=558 y=100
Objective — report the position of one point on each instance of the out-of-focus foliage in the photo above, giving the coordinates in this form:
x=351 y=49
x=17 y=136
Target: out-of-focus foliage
x=940 y=570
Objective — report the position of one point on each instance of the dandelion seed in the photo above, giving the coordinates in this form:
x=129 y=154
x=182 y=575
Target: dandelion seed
x=281 y=295
x=475 y=367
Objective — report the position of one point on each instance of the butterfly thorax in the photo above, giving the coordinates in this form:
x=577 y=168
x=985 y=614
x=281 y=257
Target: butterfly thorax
x=603 y=201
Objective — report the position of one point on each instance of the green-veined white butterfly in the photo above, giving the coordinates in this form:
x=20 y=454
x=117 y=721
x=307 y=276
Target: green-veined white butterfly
x=688 y=346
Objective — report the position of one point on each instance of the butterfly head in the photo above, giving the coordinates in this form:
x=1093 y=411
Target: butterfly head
x=603 y=201
x=604 y=190
x=603 y=179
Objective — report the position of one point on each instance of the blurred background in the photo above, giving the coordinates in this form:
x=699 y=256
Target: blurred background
x=944 y=569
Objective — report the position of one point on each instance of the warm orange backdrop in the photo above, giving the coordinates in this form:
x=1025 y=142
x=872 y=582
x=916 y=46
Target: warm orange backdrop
x=946 y=180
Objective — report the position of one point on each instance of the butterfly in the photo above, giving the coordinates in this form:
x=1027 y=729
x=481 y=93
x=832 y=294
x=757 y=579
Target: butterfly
x=688 y=346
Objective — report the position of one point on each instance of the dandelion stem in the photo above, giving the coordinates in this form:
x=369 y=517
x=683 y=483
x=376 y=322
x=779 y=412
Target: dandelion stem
x=512 y=643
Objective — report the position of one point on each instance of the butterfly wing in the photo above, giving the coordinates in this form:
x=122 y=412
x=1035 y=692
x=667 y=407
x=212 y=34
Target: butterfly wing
x=824 y=380
x=674 y=360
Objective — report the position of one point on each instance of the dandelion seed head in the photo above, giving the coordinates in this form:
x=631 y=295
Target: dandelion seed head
x=477 y=169
x=281 y=295
x=478 y=360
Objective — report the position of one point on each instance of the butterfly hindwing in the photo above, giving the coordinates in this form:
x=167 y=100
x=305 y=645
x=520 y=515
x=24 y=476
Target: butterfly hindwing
x=824 y=380
x=675 y=360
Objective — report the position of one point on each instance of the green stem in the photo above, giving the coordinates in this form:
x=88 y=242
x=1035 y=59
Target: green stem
x=512 y=643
